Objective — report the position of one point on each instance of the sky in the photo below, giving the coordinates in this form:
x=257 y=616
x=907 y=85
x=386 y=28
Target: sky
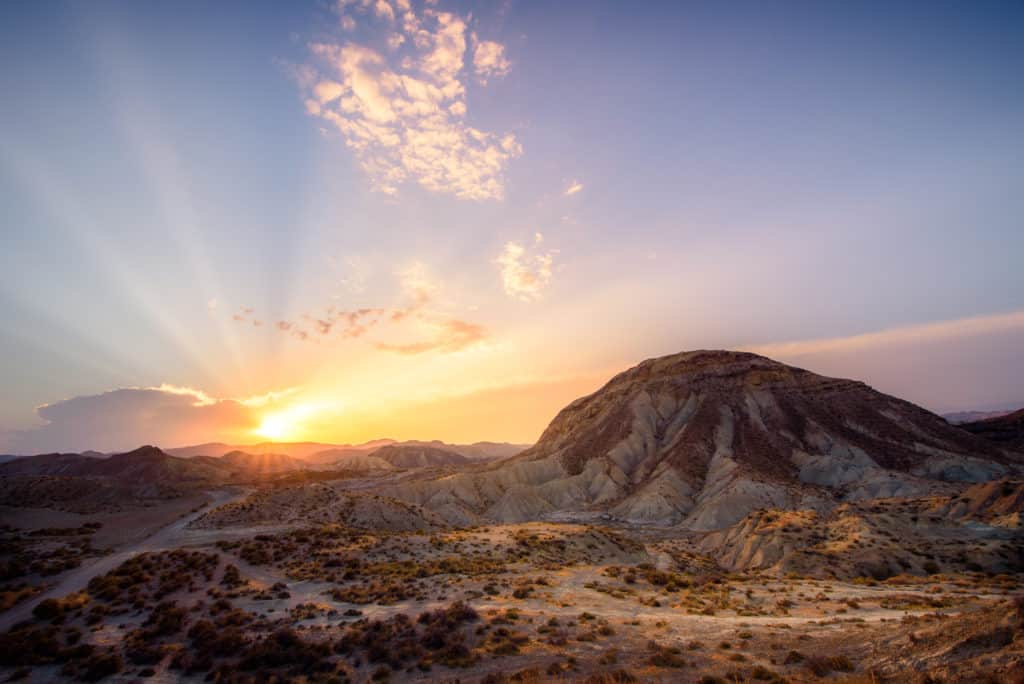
x=251 y=221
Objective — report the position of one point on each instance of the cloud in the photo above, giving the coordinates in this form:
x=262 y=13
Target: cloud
x=453 y=335
x=200 y=398
x=419 y=289
x=966 y=363
x=574 y=187
x=123 y=419
x=489 y=60
x=905 y=335
x=403 y=113
x=525 y=273
x=212 y=304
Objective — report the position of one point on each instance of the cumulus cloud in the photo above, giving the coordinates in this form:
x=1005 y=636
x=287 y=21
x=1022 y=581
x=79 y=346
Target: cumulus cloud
x=525 y=271
x=402 y=110
x=574 y=187
x=489 y=60
x=123 y=419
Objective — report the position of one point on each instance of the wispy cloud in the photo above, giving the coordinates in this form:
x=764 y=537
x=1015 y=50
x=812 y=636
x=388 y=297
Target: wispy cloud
x=525 y=271
x=452 y=335
x=402 y=107
x=573 y=187
x=912 y=334
x=418 y=317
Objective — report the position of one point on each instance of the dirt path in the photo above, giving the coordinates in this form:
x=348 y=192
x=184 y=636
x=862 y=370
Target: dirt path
x=166 y=537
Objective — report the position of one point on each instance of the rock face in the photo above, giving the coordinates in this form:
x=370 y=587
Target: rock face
x=884 y=537
x=703 y=438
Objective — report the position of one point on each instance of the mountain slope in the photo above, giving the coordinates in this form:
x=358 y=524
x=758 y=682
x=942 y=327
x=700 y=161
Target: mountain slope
x=415 y=456
x=884 y=537
x=702 y=438
x=1006 y=430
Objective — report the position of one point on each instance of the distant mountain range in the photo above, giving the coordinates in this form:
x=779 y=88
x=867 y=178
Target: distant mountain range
x=92 y=481
x=960 y=417
x=320 y=454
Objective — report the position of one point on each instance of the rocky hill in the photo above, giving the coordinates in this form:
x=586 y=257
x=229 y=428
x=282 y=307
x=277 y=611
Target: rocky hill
x=703 y=438
x=978 y=529
x=1006 y=430
x=146 y=464
x=246 y=464
x=415 y=456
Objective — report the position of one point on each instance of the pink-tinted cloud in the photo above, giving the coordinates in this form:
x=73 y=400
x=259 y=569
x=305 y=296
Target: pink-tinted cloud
x=402 y=110
x=123 y=419
x=452 y=335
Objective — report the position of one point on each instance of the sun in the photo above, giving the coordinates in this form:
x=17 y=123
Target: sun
x=275 y=427
x=289 y=424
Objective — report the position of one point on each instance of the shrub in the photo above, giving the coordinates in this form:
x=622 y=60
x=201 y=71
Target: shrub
x=48 y=609
x=824 y=665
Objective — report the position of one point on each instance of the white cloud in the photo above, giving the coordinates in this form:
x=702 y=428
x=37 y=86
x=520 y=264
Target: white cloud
x=525 y=273
x=574 y=187
x=489 y=60
x=404 y=115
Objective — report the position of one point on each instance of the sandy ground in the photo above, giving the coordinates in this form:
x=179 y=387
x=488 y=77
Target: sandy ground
x=168 y=536
x=119 y=529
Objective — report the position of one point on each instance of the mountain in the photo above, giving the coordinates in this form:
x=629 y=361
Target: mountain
x=417 y=456
x=244 y=462
x=351 y=459
x=482 y=451
x=89 y=484
x=48 y=464
x=703 y=438
x=319 y=454
x=305 y=451
x=959 y=417
x=477 y=451
x=1006 y=430
x=328 y=458
x=147 y=464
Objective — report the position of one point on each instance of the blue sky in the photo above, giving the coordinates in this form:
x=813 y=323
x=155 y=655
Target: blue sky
x=745 y=175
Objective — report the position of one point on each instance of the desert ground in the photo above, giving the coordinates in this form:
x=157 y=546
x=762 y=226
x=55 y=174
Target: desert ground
x=535 y=601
